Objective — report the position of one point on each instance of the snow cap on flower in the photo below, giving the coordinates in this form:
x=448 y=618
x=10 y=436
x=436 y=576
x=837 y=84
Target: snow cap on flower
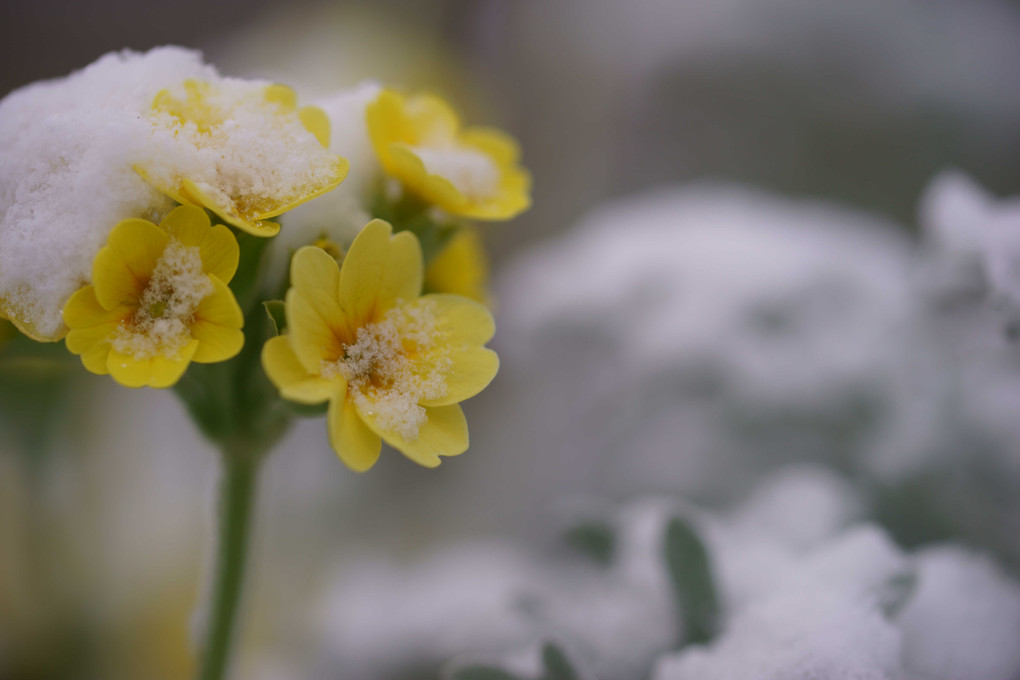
x=392 y=364
x=70 y=149
x=243 y=149
x=471 y=172
x=67 y=147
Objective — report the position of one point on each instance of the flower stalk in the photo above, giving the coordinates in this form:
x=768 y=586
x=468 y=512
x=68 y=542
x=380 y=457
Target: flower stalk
x=236 y=507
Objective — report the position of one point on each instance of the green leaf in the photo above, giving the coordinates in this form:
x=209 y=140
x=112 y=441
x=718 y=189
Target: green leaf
x=482 y=673
x=557 y=667
x=277 y=314
x=593 y=539
x=690 y=571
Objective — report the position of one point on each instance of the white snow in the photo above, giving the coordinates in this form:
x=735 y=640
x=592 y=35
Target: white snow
x=964 y=621
x=67 y=147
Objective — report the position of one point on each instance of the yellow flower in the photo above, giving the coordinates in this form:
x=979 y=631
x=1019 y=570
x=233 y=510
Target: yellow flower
x=461 y=268
x=471 y=172
x=245 y=151
x=158 y=300
x=392 y=363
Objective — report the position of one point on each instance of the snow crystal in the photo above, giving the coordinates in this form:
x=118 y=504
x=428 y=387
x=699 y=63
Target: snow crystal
x=67 y=147
x=385 y=370
x=162 y=324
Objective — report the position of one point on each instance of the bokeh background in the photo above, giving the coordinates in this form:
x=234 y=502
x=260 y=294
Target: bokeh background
x=760 y=237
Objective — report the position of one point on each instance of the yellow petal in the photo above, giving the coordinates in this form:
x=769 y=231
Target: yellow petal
x=153 y=372
x=217 y=246
x=82 y=340
x=314 y=323
x=127 y=370
x=312 y=268
x=223 y=206
x=432 y=119
x=123 y=266
x=95 y=358
x=216 y=343
x=187 y=223
x=167 y=371
x=356 y=445
x=290 y=377
x=92 y=328
x=444 y=433
x=217 y=325
x=461 y=268
x=472 y=370
x=379 y=270
x=316 y=121
x=460 y=321
x=386 y=124
x=220 y=306
x=337 y=175
x=82 y=310
x=285 y=96
x=494 y=143
x=220 y=253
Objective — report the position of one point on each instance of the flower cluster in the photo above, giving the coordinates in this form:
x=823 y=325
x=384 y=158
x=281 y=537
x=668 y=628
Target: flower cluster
x=150 y=259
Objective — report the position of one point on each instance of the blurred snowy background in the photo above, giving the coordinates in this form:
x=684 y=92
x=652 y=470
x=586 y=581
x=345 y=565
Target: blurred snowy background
x=766 y=310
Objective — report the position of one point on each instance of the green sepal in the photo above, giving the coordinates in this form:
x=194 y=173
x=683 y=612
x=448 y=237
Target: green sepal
x=307 y=410
x=277 y=314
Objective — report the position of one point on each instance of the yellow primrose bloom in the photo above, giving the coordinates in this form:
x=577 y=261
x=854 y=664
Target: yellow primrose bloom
x=158 y=300
x=243 y=150
x=471 y=172
x=461 y=267
x=392 y=364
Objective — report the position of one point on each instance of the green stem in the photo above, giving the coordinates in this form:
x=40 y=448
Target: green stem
x=236 y=508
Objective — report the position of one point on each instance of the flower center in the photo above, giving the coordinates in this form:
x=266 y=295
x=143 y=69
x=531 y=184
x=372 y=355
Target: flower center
x=393 y=365
x=470 y=171
x=162 y=324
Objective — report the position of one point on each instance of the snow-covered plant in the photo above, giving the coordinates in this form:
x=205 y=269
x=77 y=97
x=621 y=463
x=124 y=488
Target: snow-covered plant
x=792 y=584
x=139 y=223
